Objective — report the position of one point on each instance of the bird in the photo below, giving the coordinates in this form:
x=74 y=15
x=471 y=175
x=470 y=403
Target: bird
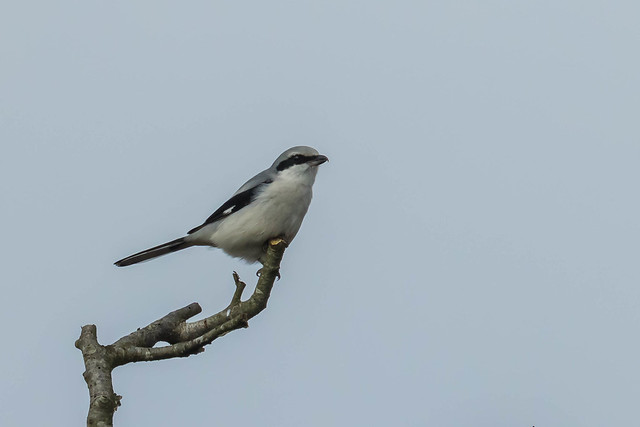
x=271 y=204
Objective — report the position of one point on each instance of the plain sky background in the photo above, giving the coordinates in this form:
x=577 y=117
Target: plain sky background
x=470 y=257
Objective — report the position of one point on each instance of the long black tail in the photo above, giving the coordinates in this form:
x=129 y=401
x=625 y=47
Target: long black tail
x=156 y=251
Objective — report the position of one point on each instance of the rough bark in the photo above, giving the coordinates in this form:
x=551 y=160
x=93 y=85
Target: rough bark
x=184 y=338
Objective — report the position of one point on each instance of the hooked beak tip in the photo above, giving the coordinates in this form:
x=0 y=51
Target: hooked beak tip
x=320 y=159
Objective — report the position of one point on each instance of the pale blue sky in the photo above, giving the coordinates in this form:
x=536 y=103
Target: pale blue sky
x=470 y=256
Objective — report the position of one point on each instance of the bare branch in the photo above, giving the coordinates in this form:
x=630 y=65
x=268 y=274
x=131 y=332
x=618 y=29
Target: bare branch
x=161 y=329
x=185 y=338
x=103 y=402
x=237 y=296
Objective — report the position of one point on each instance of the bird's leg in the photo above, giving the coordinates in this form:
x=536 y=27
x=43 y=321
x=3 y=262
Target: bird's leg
x=266 y=245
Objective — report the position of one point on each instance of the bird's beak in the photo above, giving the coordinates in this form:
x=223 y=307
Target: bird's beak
x=318 y=160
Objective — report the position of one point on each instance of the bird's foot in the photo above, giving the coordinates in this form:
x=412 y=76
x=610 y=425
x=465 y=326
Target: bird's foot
x=274 y=241
x=279 y=239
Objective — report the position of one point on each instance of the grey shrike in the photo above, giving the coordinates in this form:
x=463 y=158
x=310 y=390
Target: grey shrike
x=271 y=204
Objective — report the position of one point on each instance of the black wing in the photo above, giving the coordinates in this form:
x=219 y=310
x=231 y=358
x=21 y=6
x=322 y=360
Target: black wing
x=234 y=204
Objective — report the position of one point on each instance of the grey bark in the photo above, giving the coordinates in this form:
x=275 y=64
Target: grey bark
x=184 y=338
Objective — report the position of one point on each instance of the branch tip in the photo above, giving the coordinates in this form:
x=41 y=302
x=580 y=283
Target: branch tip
x=237 y=295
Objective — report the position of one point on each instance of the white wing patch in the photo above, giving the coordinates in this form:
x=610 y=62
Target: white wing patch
x=228 y=211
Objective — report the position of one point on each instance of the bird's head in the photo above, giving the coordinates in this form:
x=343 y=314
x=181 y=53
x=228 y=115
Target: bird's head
x=299 y=160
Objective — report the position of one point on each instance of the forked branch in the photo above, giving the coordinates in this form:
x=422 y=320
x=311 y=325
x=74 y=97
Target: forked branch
x=183 y=338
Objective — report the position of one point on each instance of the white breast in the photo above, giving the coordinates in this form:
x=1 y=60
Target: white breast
x=277 y=211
